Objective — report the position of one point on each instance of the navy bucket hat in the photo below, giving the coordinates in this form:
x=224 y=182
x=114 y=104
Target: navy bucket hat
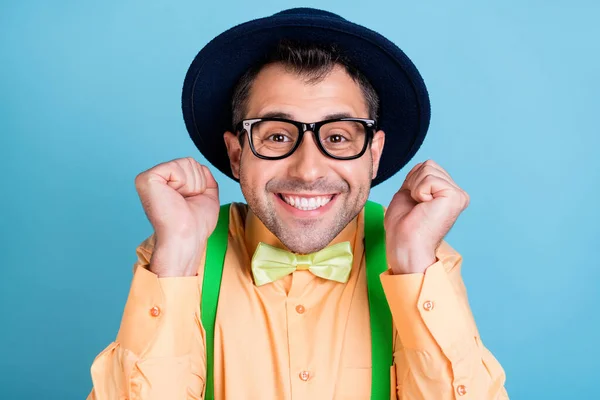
x=210 y=81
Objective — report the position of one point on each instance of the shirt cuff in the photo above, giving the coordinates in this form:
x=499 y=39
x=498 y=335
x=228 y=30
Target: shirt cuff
x=426 y=309
x=166 y=303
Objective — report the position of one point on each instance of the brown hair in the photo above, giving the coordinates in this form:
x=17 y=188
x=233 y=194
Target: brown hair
x=310 y=60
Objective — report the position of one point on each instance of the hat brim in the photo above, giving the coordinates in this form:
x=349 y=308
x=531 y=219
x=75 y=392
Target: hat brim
x=208 y=87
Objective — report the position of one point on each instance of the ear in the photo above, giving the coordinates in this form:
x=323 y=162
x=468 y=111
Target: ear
x=376 y=150
x=234 y=150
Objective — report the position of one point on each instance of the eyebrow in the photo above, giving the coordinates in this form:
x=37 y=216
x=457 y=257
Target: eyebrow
x=338 y=115
x=279 y=114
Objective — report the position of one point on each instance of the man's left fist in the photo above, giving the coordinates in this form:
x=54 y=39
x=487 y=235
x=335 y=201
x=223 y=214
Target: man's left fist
x=419 y=217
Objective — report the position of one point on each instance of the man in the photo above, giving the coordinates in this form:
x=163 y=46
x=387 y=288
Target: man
x=306 y=102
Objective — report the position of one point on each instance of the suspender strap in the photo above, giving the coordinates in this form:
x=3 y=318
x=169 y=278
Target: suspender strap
x=211 y=285
x=380 y=315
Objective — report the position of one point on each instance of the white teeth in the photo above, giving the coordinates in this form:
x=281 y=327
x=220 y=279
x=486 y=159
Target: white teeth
x=306 y=203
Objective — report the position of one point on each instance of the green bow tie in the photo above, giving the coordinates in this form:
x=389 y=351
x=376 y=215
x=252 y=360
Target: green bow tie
x=271 y=263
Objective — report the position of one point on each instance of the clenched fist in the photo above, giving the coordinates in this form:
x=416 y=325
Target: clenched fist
x=181 y=201
x=419 y=217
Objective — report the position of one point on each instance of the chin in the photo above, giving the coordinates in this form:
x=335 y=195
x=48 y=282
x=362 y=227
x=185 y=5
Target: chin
x=305 y=237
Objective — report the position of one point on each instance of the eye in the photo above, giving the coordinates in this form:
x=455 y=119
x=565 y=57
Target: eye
x=278 y=137
x=335 y=138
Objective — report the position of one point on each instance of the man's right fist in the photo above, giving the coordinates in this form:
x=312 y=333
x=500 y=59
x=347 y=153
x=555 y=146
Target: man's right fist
x=181 y=201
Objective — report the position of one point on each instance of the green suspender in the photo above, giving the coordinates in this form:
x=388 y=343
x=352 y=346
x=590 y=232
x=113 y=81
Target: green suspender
x=381 y=320
x=381 y=317
x=211 y=285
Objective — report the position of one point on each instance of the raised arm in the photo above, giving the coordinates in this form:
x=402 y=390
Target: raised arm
x=159 y=352
x=438 y=353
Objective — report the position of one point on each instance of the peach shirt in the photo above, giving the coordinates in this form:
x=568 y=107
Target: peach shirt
x=301 y=337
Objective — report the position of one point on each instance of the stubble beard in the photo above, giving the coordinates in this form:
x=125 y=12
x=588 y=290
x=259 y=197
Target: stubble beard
x=307 y=236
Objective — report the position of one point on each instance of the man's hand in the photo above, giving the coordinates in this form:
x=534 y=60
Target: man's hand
x=181 y=201
x=420 y=215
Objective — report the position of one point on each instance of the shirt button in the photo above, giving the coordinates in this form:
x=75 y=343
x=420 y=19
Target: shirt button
x=155 y=311
x=461 y=390
x=428 y=305
x=304 y=375
x=300 y=309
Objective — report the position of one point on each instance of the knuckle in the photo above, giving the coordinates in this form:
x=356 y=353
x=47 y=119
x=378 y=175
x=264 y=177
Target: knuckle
x=459 y=198
x=192 y=161
x=139 y=179
x=178 y=166
x=429 y=177
x=467 y=198
x=429 y=169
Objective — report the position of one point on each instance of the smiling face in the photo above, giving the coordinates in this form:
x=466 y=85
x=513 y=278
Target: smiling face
x=307 y=198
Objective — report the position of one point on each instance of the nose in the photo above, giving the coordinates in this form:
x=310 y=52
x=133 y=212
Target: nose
x=308 y=163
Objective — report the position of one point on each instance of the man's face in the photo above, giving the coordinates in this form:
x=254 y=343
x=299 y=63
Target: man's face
x=335 y=191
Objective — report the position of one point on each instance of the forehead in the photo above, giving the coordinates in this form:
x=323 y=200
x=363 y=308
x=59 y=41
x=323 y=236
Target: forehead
x=279 y=90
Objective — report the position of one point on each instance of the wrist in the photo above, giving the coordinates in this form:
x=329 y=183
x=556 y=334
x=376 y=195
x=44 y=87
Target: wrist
x=177 y=259
x=411 y=260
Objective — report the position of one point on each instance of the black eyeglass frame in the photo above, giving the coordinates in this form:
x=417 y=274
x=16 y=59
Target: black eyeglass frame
x=245 y=125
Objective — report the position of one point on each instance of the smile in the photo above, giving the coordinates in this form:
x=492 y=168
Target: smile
x=306 y=203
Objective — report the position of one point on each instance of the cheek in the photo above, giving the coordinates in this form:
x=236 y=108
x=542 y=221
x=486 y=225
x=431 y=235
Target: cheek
x=356 y=172
x=254 y=173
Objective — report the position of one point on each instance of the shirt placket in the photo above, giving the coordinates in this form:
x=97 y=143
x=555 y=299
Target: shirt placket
x=303 y=373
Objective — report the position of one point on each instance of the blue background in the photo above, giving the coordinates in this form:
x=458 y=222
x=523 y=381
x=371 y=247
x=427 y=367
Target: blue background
x=90 y=96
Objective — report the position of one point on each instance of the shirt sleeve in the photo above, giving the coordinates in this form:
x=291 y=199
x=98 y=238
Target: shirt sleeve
x=159 y=350
x=438 y=353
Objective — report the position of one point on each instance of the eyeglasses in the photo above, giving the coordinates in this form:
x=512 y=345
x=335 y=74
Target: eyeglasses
x=277 y=138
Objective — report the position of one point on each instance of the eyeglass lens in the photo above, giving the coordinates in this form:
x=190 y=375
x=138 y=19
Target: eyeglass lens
x=338 y=138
